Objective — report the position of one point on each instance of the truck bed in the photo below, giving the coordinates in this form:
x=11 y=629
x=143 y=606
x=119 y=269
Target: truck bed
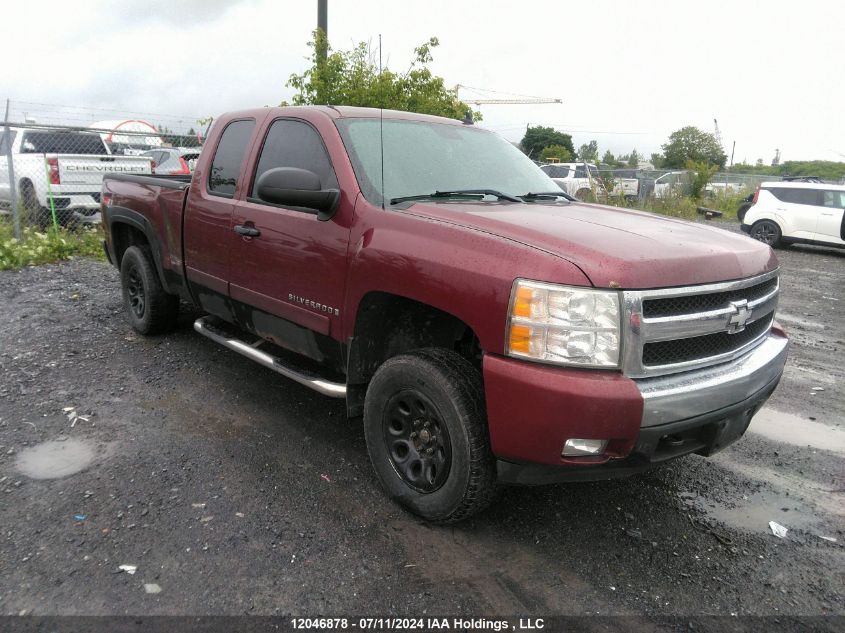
x=154 y=205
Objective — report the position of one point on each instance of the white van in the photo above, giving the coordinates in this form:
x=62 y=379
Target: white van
x=797 y=213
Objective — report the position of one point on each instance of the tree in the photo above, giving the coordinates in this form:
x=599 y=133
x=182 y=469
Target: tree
x=589 y=152
x=657 y=160
x=703 y=173
x=634 y=159
x=353 y=78
x=559 y=152
x=538 y=138
x=690 y=143
x=610 y=160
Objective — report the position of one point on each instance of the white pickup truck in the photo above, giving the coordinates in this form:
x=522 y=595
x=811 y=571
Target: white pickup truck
x=61 y=170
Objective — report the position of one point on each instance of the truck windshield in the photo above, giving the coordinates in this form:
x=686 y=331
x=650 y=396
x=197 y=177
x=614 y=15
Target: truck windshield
x=421 y=158
x=62 y=143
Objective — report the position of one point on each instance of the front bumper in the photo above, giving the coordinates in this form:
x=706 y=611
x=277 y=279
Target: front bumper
x=533 y=409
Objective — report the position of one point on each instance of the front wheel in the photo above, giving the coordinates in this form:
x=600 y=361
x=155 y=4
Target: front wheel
x=426 y=430
x=150 y=309
x=767 y=232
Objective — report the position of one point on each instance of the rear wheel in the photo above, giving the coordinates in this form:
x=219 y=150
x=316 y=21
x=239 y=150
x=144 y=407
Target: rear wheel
x=585 y=195
x=767 y=232
x=426 y=431
x=150 y=309
x=742 y=210
x=35 y=214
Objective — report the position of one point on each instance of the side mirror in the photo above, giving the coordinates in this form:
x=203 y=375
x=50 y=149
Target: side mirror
x=293 y=187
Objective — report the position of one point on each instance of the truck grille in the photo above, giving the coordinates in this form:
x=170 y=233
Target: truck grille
x=677 y=329
x=685 y=350
x=703 y=303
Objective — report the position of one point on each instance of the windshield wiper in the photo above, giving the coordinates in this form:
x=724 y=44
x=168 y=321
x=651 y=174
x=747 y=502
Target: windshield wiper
x=468 y=194
x=547 y=195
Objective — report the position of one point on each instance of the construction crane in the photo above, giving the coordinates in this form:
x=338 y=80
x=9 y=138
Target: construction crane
x=717 y=133
x=523 y=100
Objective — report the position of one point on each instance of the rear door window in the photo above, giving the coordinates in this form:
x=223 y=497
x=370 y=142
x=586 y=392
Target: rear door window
x=226 y=165
x=796 y=196
x=295 y=144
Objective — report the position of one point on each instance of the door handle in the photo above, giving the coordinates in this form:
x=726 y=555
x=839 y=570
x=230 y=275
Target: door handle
x=247 y=231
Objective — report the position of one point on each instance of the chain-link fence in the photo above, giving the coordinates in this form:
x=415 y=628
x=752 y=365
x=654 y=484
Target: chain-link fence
x=51 y=174
x=640 y=183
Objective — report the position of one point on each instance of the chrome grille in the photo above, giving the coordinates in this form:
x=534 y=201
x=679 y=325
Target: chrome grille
x=687 y=349
x=702 y=303
x=675 y=329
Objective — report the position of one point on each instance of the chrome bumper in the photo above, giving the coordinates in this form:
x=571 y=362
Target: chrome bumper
x=680 y=396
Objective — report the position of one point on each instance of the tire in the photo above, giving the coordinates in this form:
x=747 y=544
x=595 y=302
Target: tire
x=426 y=430
x=585 y=195
x=742 y=210
x=767 y=232
x=150 y=309
x=36 y=215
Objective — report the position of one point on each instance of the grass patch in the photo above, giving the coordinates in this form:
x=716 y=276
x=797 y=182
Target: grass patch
x=36 y=248
x=686 y=207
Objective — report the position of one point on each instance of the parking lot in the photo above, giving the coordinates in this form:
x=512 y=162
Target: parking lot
x=234 y=491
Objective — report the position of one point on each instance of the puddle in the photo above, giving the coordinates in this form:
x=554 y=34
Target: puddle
x=791 y=429
x=53 y=460
x=754 y=512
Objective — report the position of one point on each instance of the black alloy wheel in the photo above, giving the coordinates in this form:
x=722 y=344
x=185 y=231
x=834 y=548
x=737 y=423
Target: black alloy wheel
x=766 y=231
x=150 y=309
x=135 y=290
x=417 y=440
x=425 y=425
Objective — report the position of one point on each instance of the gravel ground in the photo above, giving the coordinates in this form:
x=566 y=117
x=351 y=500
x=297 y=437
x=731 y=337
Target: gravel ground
x=235 y=491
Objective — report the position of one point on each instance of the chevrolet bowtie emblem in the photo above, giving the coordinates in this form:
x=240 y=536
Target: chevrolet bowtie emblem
x=740 y=316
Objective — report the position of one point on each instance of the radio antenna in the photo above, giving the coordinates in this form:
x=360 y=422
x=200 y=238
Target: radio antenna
x=381 y=121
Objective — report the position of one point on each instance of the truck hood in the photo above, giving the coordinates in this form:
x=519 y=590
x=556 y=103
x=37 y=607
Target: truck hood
x=615 y=248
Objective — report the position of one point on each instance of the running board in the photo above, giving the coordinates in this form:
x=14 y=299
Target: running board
x=206 y=327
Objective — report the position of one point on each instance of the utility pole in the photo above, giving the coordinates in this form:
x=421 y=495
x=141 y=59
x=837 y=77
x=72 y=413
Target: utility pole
x=323 y=25
x=13 y=185
x=733 y=149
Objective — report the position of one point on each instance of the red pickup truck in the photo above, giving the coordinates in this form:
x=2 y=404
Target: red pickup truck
x=487 y=328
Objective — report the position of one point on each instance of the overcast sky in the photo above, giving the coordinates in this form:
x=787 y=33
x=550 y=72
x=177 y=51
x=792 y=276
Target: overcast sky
x=629 y=73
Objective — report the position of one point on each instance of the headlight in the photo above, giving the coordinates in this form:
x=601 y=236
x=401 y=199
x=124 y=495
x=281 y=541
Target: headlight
x=563 y=324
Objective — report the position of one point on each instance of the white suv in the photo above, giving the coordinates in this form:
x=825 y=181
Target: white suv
x=575 y=180
x=797 y=213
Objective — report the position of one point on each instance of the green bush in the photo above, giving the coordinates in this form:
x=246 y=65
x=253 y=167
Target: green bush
x=35 y=247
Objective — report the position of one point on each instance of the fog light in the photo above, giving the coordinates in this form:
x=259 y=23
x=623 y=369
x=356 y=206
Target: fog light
x=576 y=448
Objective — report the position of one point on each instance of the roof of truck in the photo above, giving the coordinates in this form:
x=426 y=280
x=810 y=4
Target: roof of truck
x=345 y=112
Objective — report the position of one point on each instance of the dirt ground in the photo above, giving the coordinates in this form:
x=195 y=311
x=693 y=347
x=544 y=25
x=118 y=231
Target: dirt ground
x=235 y=491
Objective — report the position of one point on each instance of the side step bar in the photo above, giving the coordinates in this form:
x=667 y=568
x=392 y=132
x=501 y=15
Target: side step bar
x=206 y=327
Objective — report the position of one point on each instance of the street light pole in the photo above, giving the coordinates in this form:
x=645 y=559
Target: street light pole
x=323 y=25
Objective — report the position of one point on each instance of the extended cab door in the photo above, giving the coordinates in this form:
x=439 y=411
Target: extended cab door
x=287 y=281
x=831 y=226
x=208 y=218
